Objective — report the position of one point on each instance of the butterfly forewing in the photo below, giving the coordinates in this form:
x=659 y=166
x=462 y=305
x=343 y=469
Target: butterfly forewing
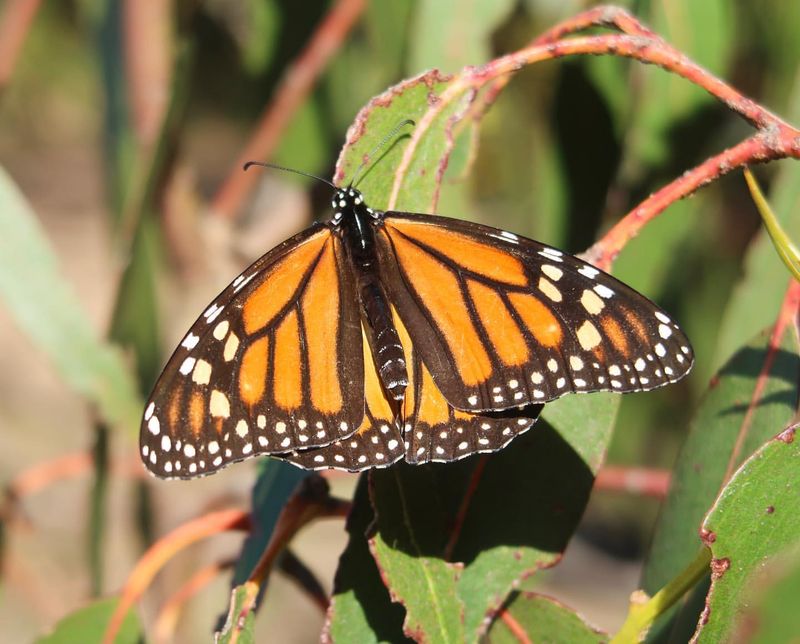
x=502 y=321
x=274 y=364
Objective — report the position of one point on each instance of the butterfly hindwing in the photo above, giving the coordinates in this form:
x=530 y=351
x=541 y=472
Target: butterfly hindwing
x=502 y=321
x=272 y=365
x=376 y=443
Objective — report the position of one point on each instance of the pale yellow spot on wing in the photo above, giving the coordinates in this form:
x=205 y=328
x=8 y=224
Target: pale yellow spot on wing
x=231 y=346
x=591 y=302
x=218 y=404
x=588 y=335
x=549 y=289
x=221 y=329
x=553 y=272
x=202 y=372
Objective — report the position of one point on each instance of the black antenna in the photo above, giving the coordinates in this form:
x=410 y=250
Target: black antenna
x=285 y=169
x=383 y=141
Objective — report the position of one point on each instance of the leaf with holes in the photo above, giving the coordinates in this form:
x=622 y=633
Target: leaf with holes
x=754 y=519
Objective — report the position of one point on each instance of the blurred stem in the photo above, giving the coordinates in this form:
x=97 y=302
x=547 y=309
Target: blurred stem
x=642 y=615
x=97 y=514
x=15 y=23
x=293 y=89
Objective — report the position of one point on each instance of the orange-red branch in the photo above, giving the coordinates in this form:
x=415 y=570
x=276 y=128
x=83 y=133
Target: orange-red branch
x=15 y=23
x=165 y=549
x=292 y=91
x=633 y=480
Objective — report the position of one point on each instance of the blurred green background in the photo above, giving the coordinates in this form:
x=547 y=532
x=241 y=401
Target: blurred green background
x=121 y=135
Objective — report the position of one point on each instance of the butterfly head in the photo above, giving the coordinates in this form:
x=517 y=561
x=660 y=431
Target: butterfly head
x=346 y=200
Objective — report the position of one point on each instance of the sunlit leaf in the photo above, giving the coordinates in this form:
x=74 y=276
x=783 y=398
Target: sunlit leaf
x=755 y=518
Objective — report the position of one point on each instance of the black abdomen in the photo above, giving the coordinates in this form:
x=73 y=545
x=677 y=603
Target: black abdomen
x=384 y=341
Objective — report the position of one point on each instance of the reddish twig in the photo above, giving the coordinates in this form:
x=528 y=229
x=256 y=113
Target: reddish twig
x=162 y=551
x=15 y=23
x=290 y=94
x=788 y=313
x=514 y=626
x=148 y=64
x=311 y=501
x=469 y=493
x=633 y=480
x=774 y=139
x=167 y=620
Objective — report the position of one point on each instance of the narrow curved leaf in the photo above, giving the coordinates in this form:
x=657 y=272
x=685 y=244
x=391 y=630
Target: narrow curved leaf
x=755 y=518
x=33 y=289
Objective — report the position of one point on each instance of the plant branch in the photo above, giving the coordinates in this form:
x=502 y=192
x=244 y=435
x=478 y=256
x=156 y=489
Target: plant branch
x=289 y=96
x=633 y=480
x=15 y=23
x=642 y=615
x=165 y=549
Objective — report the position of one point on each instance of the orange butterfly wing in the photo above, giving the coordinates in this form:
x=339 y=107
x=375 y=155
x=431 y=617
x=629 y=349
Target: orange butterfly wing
x=502 y=321
x=427 y=428
x=267 y=368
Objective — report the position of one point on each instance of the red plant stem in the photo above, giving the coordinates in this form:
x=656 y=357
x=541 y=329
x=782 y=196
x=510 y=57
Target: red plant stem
x=514 y=626
x=788 y=313
x=148 y=61
x=757 y=149
x=469 y=493
x=162 y=551
x=633 y=480
x=15 y=23
x=167 y=620
x=292 y=91
x=601 y=15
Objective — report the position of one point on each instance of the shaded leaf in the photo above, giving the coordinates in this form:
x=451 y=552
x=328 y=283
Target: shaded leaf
x=501 y=516
x=43 y=304
x=88 y=624
x=755 y=518
x=741 y=410
x=361 y=609
x=543 y=620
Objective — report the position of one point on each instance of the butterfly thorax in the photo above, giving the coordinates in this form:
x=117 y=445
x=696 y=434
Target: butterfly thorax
x=355 y=223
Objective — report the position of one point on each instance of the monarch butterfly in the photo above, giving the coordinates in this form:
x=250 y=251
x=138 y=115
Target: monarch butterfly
x=377 y=336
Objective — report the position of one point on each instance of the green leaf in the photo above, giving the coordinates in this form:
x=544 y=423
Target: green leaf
x=543 y=620
x=407 y=548
x=361 y=609
x=766 y=618
x=755 y=518
x=501 y=517
x=448 y=34
x=88 y=624
x=239 y=625
x=43 y=304
x=752 y=395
